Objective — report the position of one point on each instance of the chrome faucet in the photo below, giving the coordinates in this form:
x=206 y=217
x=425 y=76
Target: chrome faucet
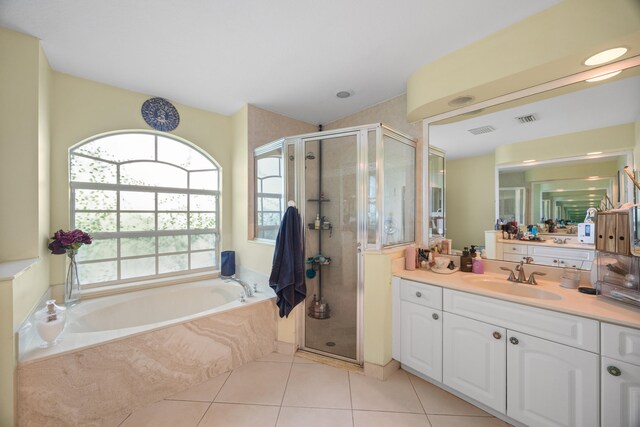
x=522 y=277
x=247 y=289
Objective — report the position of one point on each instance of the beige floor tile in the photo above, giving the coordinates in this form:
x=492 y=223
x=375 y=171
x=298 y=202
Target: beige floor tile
x=388 y=419
x=437 y=401
x=237 y=415
x=260 y=383
x=464 y=421
x=395 y=394
x=314 y=417
x=317 y=386
x=204 y=392
x=169 y=413
x=277 y=357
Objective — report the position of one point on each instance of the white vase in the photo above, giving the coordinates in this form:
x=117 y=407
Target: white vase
x=50 y=322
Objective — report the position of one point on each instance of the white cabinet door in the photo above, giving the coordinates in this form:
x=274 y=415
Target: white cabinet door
x=620 y=393
x=474 y=360
x=421 y=339
x=551 y=384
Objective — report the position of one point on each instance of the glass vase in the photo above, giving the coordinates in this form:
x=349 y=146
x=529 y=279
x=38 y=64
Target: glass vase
x=72 y=284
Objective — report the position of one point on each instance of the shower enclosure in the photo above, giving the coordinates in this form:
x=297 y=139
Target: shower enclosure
x=355 y=190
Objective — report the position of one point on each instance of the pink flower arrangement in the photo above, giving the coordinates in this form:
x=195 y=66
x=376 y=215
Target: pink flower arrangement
x=63 y=241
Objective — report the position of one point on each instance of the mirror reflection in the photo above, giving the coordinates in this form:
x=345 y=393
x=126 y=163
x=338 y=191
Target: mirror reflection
x=541 y=162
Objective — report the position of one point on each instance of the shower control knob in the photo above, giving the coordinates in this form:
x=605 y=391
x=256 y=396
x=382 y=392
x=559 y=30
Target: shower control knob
x=418 y=294
x=435 y=316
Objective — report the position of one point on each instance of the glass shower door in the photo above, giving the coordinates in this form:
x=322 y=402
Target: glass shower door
x=331 y=245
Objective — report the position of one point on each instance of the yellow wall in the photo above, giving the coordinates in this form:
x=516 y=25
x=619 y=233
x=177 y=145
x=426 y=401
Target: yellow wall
x=541 y=48
x=81 y=109
x=608 y=140
x=469 y=199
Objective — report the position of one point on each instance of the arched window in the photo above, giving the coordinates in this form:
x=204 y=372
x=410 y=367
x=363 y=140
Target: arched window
x=151 y=203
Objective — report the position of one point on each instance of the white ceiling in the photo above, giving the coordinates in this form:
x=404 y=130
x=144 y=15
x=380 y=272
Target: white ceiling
x=287 y=56
x=605 y=104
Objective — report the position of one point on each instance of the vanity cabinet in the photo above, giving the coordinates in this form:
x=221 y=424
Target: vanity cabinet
x=421 y=328
x=474 y=356
x=620 y=376
x=536 y=366
x=551 y=384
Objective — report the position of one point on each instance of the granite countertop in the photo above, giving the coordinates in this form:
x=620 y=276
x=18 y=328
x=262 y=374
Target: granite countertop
x=549 y=242
x=570 y=301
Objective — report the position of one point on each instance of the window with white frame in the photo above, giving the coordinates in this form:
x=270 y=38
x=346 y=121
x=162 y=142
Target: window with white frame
x=151 y=204
x=269 y=190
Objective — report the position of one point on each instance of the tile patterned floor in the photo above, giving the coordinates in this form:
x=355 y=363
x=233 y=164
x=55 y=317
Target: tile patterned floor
x=287 y=391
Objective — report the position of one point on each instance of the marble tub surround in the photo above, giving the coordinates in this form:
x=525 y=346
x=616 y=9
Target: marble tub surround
x=95 y=321
x=103 y=383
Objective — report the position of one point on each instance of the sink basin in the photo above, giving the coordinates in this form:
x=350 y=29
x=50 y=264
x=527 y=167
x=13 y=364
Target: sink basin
x=503 y=286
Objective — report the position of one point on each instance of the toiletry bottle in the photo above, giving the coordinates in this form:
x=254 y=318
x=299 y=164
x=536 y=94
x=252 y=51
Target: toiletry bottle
x=317 y=223
x=478 y=265
x=466 y=261
x=410 y=258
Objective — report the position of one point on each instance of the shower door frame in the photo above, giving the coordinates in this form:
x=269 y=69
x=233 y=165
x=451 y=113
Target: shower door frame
x=299 y=142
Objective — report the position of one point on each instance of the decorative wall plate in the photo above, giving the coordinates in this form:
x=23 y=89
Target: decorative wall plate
x=160 y=114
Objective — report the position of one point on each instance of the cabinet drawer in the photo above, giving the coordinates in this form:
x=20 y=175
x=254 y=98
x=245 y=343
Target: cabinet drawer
x=562 y=253
x=514 y=249
x=621 y=343
x=559 y=327
x=420 y=293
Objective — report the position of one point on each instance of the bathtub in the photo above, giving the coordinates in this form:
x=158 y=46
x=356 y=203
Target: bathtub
x=121 y=352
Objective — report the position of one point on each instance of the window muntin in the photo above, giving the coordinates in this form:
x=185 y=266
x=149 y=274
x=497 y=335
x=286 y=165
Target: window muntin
x=269 y=191
x=151 y=204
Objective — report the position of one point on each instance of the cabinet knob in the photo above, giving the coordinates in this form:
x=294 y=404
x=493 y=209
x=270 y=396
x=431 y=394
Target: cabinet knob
x=616 y=372
x=497 y=335
x=418 y=294
x=514 y=340
x=435 y=316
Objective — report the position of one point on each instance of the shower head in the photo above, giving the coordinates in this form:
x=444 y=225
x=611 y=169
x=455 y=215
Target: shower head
x=310 y=156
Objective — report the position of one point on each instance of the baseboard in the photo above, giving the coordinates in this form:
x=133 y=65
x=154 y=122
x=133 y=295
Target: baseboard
x=379 y=371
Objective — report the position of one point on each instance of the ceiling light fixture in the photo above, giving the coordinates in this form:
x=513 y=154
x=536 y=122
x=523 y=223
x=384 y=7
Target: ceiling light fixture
x=593 y=153
x=603 y=76
x=529 y=161
x=605 y=56
x=461 y=100
x=343 y=94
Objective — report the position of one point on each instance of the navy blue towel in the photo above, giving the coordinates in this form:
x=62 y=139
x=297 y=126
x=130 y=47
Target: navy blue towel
x=287 y=271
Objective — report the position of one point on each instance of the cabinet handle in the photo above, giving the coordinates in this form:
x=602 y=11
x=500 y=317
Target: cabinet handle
x=497 y=335
x=616 y=372
x=514 y=340
x=435 y=316
x=418 y=294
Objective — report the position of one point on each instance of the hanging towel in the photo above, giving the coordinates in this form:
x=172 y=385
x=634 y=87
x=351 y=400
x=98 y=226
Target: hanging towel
x=287 y=271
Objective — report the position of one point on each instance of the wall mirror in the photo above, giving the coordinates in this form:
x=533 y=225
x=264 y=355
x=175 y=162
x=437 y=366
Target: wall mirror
x=549 y=152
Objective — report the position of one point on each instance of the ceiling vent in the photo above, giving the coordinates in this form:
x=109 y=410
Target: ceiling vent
x=527 y=119
x=482 y=129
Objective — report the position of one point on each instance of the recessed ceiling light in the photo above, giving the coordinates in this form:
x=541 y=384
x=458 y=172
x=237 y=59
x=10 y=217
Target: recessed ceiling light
x=343 y=94
x=605 y=56
x=604 y=76
x=461 y=100
x=529 y=161
x=593 y=153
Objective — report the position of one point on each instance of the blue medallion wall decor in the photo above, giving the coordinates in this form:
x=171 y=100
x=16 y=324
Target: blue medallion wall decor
x=160 y=114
